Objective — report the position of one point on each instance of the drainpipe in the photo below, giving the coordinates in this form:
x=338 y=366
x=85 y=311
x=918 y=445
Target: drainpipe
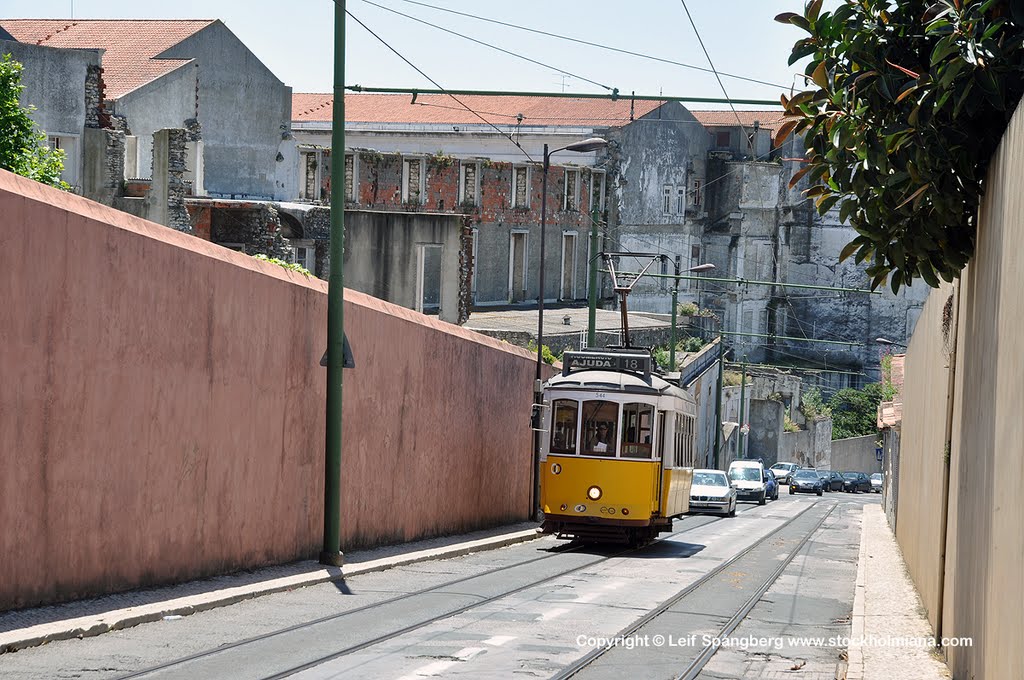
x=946 y=455
x=743 y=392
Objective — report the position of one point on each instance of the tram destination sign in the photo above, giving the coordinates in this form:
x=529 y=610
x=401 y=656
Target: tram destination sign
x=606 y=361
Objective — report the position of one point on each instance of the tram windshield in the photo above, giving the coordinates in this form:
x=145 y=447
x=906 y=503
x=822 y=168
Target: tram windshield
x=600 y=428
x=637 y=430
x=565 y=416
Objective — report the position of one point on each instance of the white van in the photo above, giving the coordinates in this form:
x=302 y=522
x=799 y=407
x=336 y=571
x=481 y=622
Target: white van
x=747 y=477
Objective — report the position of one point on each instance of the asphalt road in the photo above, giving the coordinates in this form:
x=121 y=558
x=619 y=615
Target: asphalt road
x=757 y=581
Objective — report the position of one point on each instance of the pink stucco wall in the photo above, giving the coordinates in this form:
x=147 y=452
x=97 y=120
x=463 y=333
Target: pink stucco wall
x=162 y=409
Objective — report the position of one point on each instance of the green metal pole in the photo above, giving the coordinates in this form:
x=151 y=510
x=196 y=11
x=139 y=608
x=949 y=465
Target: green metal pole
x=331 y=553
x=718 y=402
x=672 y=333
x=592 y=283
x=743 y=396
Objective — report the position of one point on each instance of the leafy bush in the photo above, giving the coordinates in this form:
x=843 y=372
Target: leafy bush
x=731 y=378
x=687 y=309
x=813 y=406
x=23 y=147
x=281 y=263
x=910 y=101
x=788 y=425
x=546 y=355
x=855 y=412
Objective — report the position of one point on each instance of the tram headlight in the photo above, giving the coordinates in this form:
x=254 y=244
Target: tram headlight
x=594 y=493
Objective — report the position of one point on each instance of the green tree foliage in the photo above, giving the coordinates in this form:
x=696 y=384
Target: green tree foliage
x=23 y=147
x=855 y=412
x=908 y=103
x=812 y=405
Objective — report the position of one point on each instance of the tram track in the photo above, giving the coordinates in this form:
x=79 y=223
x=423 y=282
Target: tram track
x=708 y=651
x=694 y=523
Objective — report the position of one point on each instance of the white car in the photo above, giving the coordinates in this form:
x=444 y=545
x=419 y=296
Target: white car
x=784 y=471
x=750 y=480
x=876 y=482
x=710 y=491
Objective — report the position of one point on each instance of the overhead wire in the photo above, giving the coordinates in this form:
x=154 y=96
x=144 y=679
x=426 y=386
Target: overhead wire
x=493 y=47
x=437 y=85
x=589 y=43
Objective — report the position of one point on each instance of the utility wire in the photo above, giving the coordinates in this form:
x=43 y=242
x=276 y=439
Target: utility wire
x=493 y=47
x=438 y=86
x=590 y=44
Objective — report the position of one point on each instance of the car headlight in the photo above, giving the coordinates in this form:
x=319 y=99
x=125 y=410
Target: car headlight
x=594 y=493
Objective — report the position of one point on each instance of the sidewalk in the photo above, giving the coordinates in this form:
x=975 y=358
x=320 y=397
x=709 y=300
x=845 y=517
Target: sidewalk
x=85 y=618
x=886 y=606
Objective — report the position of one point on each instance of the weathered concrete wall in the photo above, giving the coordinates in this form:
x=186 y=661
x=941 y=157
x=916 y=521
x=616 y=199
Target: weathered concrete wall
x=811 y=447
x=985 y=545
x=150 y=410
x=766 y=418
x=382 y=251
x=856 y=454
x=166 y=102
x=241 y=142
x=919 y=523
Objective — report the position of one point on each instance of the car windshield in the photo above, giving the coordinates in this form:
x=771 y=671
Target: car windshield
x=781 y=466
x=824 y=473
x=806 y=474
x=745 y=474
x=851 y=475
x=877 y=476
x=709 y=479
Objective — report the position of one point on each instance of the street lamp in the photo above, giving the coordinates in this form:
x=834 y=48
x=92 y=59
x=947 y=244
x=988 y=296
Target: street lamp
x=887 y=341
x=592 y=144
x=706 y=267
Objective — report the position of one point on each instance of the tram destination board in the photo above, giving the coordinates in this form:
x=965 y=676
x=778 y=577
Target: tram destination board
x=601 y=361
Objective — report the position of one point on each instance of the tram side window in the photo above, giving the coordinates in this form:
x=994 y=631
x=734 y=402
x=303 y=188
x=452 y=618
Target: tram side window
x=677 y=454
x=565 y=415
x=637 y=430
x=600 y=428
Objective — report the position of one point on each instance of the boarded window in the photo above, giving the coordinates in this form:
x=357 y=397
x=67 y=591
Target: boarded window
x=572 y=180
x=412 y=187
x=520 y=187
x=350 y=175
x=666 y=200
x=469 y=177
x=597 y=191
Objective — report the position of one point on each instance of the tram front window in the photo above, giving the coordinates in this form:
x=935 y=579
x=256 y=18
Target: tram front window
x=563 y=426
x=637 y=430
x=600 y=428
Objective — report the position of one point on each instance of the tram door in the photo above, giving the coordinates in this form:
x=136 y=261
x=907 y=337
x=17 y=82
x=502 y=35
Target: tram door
x=662 y=445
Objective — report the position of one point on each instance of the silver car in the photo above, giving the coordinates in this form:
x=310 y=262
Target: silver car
x=710 y=491
x=876 y=482
x=784 y=472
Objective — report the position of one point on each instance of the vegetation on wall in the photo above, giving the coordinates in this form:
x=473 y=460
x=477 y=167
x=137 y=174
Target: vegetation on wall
x=23 y=147
x=908 y=102
x=855 y=412
x=282 y=263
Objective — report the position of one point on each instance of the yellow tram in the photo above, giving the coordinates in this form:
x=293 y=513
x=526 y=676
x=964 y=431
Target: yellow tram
x=617 y=437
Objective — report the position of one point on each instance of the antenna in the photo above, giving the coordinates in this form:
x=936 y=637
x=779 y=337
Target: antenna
x=564 y=79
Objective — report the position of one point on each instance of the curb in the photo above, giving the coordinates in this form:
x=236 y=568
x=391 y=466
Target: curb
x=91 y=626
x=854 y=653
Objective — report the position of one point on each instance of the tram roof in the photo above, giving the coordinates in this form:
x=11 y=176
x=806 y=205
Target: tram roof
x=611 y=380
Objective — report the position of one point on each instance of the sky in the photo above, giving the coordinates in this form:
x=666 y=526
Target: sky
x=295 y=40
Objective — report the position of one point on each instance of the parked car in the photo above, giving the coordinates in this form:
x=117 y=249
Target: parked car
x=771 y=485
x=710 y=491
x=831 y=480
x=855 y=482
x=784 y=471
x=876 y=482
x=748 y=478
x=806 y=481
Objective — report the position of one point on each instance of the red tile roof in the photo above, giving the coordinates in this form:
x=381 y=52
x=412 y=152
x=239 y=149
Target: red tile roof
x=443 y=109
x=131 y=47
x=768 y=119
